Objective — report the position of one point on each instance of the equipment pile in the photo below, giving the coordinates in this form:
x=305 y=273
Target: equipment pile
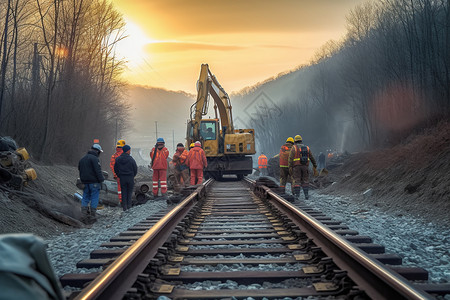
x=15 y=169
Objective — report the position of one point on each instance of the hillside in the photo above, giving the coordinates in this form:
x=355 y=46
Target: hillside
x=410 y=178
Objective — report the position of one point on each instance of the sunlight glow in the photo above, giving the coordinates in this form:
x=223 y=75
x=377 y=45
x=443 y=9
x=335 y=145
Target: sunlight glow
x=132 y=48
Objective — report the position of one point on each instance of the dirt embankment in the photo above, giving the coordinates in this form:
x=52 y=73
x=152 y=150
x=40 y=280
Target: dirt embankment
x=410 y=178
x=38 y=207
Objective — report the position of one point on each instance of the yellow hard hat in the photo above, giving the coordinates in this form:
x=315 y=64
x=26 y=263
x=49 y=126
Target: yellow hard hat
x=290 y=139
x=298 y=138
x=121 y=143
x=192 y=145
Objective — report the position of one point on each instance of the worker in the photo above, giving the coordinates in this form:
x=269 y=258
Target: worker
x=181 y=169
x=119 y=145
x=197 y=162
x=299 y=158
x=209 y=134
x=284 y=162
x=126 y=169
x=159 y=155
x=91 y=176
x=322 y=162
x=262 y=164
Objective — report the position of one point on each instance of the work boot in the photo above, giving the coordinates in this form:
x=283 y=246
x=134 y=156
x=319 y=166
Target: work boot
x=297 y=193
x=305 y=190
x=84 y=214
x=92 y=216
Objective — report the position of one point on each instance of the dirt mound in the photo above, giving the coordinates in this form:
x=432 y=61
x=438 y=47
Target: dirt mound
x=412 y=177
x=40 y=207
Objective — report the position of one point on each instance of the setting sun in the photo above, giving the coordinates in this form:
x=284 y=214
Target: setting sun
x=132 y=48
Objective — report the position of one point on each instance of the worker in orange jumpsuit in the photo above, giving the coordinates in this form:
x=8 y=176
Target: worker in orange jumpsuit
x=262 y=164
x=197 y=162
x=284 y=162
x=299 y=159
x=120 y=144
x=159 y=155
x=181 y=169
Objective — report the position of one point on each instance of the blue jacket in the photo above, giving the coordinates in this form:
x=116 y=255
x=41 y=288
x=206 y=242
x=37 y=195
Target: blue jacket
x=90 y=169
x=125 y=165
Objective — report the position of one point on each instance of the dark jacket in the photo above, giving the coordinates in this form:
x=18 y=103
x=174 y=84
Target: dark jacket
x=90 y=169
x=125 y=165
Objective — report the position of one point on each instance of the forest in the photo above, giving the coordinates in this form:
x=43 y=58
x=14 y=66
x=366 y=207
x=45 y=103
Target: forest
x=389 y=76
x=60 y=85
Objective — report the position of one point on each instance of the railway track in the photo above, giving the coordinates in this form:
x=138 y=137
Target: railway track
x=241 y=239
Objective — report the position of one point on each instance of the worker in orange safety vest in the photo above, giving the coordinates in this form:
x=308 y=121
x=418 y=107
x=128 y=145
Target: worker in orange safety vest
x=159 y=155
x=262 y=164
x=119 y=145
x=197 y=162
x=181 y=169
x=299 y=159
x=284 y=163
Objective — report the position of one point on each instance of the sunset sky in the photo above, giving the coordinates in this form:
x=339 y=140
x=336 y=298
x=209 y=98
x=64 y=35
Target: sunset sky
x=243 y=41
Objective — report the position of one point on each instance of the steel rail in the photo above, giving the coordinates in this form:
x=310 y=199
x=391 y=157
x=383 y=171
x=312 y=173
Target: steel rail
x=370 y=275
x=116 y=279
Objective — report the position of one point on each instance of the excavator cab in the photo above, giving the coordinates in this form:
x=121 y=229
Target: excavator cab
x=209 y=133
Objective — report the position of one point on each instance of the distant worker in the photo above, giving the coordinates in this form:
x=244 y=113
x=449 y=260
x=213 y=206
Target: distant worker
x=120 y=144
x=197 y=162
x=181 y=169
x=299 y=158
x=159 y=155
x=330 y=154
x=91 y=176
x=262 y=164
x=126 y=170
x=322 y=162
x=284 y=162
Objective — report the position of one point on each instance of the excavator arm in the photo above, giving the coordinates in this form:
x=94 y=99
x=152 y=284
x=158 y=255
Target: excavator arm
x=209 y=85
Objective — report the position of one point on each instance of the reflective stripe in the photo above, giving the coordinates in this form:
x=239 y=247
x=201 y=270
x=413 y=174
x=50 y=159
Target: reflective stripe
x=284 y=166
x=296 y=159
x=119 y=192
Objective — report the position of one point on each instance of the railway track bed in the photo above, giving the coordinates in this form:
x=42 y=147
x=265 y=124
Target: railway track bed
x=238 y=239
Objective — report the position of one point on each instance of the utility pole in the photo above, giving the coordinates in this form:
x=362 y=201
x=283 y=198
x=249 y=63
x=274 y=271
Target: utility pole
x=117 y=137
x=156 y=130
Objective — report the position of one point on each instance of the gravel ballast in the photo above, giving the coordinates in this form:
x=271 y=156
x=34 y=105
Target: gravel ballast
x=66 y=250
x=420 y=243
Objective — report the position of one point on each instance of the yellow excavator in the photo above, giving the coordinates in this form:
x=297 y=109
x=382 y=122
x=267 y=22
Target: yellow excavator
x=227 y=149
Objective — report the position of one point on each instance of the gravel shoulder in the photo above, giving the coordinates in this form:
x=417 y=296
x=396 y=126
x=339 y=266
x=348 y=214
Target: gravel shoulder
x=411 y=179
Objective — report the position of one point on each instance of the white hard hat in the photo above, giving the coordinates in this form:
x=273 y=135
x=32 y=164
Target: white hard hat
x=97 y=147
